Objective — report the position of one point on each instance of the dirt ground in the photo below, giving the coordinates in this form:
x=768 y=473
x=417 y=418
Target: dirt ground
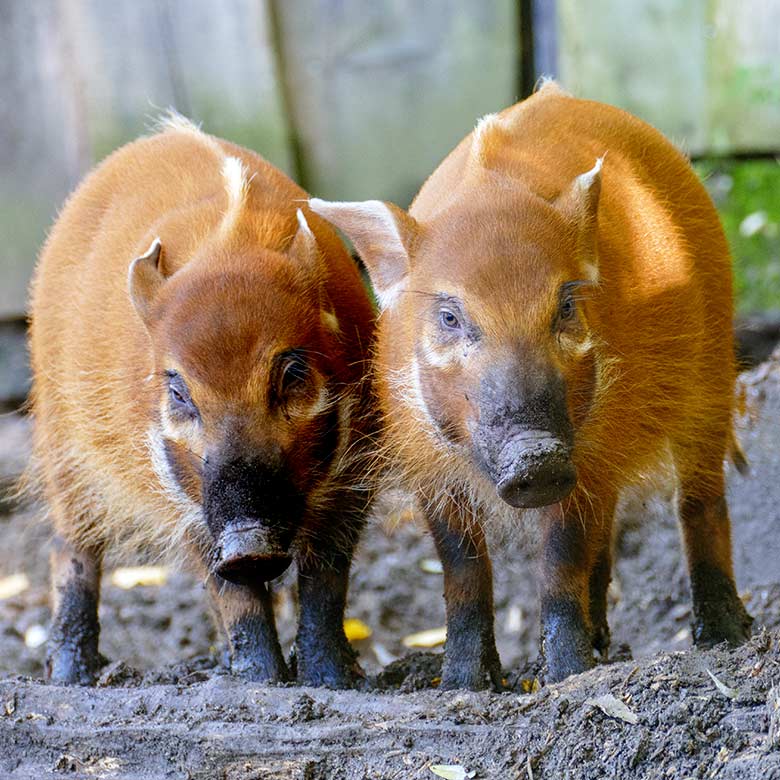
x=166 y=708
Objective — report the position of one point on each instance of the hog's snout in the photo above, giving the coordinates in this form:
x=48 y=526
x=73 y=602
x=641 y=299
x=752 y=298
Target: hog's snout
x=253 y=511
x=249 y=552
x=535 y=469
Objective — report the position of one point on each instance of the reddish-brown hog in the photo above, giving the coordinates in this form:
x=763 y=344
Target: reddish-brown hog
x=206 y=400
x=556 y=326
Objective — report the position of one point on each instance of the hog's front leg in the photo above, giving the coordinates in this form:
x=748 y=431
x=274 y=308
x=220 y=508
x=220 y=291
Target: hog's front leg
x=247 y=616
x=72 y=655
x=470 y=656
x=323 y=654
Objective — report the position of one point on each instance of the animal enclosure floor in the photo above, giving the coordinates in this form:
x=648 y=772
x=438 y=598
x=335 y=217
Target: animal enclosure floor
x=166 y=708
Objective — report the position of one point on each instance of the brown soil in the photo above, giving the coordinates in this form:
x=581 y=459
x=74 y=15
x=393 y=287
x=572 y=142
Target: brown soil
x=166 y=708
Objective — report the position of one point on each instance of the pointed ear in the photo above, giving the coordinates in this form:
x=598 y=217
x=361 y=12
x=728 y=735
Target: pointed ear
x=383 y=235
x=145 y=278
x=304 y=249
x=580 y=204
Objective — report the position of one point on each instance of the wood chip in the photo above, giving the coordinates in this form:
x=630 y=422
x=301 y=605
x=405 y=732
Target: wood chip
x=433 y=637
x=431 y=566
x=613 y=707
x=35 y=636
x=451 y=771
x=13 y=585
x=773 y=709
x=356 y=630
x=729 y=693
x=132 y=576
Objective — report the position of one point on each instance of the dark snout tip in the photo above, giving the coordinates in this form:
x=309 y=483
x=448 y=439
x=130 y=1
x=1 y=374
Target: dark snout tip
x=251 y=569
x=543 y=489
x=249 y=554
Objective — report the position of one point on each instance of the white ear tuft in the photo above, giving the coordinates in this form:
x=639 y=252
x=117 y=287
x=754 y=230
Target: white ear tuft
x=586 y=181
x=303 y=224
x=383 y=235
x=304 y=248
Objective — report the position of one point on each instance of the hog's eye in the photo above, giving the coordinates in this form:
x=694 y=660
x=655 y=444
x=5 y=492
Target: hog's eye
x=448 y=320
x=294 y=372
x=180 y=399
x=568 y=308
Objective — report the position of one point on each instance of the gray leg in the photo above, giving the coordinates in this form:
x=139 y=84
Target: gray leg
x=247 y=617
x=72 y=654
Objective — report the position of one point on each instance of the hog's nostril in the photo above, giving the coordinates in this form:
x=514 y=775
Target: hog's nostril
x=547 y=486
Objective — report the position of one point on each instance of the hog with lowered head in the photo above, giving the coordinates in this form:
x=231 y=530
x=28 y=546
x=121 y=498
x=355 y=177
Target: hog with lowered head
x=556 y=326
x=206 y=400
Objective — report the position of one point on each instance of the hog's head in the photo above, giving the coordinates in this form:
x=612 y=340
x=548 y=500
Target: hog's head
x=486 y=313
x=246 y=349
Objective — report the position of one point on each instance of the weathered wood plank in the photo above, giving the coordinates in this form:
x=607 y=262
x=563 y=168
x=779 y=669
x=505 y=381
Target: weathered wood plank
x=744 y=76
x=707 y=73
x=42 y=138
x=381 y=91
x=79 y=78
x=647 y=56
x=212 y=62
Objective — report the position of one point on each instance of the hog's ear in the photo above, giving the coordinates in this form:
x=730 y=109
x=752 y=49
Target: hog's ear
x=580 y=203
x=304 y=250
x=383 y=235
x=145 y=278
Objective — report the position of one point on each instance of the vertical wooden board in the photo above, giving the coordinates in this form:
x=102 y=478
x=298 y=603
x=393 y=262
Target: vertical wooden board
x=78 y=78
x=212 y=62
x=42 y=137
x=224 y=65
x=379 y=92
x=646 y=56
x=744 y=76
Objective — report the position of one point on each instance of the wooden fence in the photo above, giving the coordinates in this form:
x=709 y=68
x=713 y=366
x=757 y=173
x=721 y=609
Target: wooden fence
x=355 y=98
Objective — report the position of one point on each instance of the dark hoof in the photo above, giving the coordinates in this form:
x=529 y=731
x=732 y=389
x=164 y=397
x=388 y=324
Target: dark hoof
x=560 y=665
x=567 y=646
x=722 y=624
x=69 y=666
x=479 y=675
x=326 y=665
x=718 y=612
x=600 y=640
x=252 y=670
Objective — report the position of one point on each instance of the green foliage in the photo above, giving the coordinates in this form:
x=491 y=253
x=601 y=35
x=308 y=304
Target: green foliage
x=747 y=194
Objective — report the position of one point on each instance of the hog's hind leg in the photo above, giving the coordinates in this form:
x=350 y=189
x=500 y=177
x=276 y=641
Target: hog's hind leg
x=718 y=612
x=72 y=655
x=247 y=616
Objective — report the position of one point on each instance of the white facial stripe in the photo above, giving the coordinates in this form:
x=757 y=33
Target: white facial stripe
x=303 y=224
x=442 y=358
x=171 y=488
x=418 y=399
x=579 y=347
x=591 y=272
x=330 y=321
x=585 y=180
x=320 y=403
x=388 y=298
x=189 y=430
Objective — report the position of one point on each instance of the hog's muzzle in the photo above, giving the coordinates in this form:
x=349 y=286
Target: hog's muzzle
x=248 y=553
x=534 y=470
